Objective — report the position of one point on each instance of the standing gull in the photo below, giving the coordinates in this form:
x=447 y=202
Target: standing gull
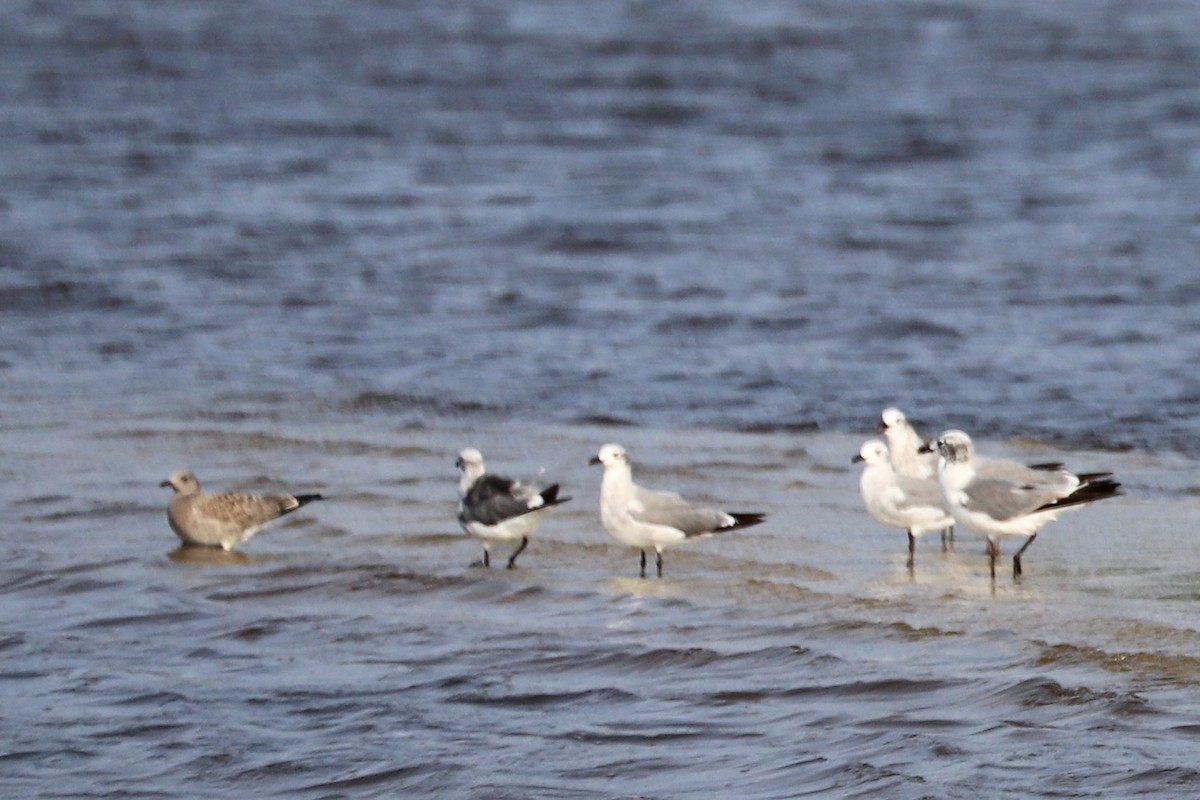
x=905 y=446
x=643 y=518
x=909 y=456
x=997 y=497
x=900 y=501
x=223 y=520
x=498 y=509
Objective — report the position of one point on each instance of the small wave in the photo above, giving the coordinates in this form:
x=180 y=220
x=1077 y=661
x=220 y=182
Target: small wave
x=132 y=733
x=1169 y=667
x=153 y=699
x=543 y=699
x=95 y=512
x=902 y=149
x=60 y=296
x=772 y=426
x=139 y=620
x=696 y=323
x=634 y=737
x=891 y=328
x=398 y=402
x=659 y=113
x=654 y=660
x=1040 y=691
x=322 y=129
x=779 y=324
x=604 y=421
x=1156 y=779
x=380 y=201
x=586 y=238
x=374 y=779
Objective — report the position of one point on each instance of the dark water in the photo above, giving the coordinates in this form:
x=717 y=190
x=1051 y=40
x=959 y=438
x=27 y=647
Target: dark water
x=323 y=246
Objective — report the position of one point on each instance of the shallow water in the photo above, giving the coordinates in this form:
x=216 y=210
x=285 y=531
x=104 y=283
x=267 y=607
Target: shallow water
x=352 y=651
x=322 y=247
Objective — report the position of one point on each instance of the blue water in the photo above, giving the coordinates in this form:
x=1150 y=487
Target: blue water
x=695 y=215
x=329 y=244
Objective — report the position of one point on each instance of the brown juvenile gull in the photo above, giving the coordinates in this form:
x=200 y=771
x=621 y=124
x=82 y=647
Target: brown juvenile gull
x=223 y=520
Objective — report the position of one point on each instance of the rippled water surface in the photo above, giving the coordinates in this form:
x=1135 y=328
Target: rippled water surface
x=322 y=246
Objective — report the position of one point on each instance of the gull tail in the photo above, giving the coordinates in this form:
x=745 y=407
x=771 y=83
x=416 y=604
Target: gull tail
x=550 y=496
x=744 y=520
x=1088 y=492
x=305 y=499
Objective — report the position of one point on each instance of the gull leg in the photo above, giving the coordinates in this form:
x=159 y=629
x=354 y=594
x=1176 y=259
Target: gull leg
x=487 y=558
x=512 y=560
x=912 y=551
x=658 y=562
x=948 y=539
x=643 y=563
x=1017 y=555
x=993 y=554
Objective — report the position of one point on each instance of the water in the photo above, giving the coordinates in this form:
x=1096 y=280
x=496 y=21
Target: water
x=321 y=247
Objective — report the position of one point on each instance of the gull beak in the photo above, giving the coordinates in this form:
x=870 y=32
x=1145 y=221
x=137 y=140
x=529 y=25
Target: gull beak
x=928 y=447
x=882 y=427
x=857 y=459
x=164 y=484
x=458 y=463
x=595 y=460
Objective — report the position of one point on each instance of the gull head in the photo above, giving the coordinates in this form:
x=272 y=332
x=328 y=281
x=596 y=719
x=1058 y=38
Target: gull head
x=469 y=458
x=611 y=455
x=183 y=482
x=892 y=418
x=955 y=446
x=872 y=452
x=470 y=465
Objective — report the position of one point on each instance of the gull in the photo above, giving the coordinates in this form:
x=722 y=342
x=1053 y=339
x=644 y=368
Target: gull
x=907 y=453
x=643 y=518
x=223 y=520
x=498 y=509
x=998 y=497
x=904 y=446
x=899 y=501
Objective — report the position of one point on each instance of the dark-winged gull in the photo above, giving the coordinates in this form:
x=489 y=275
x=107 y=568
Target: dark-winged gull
x=643 y=518
x=498 y=509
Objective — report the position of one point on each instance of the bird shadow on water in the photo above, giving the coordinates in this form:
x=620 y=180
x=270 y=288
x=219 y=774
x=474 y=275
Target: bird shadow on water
x=212 y=556
x=648 y=587
x=953 y=575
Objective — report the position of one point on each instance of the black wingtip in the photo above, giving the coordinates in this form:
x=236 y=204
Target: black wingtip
x=745 y=520
x=305 y=499
x=1087 y=493
x=550 y=496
